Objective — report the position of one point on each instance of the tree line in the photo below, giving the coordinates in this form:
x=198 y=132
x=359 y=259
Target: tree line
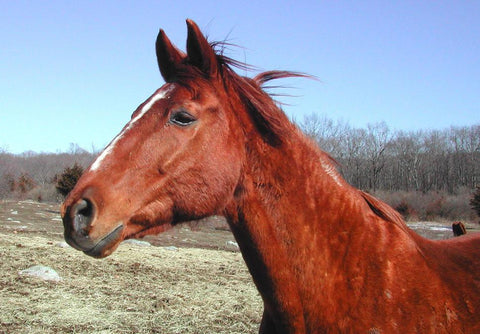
x=379 y=158
x=35 y=175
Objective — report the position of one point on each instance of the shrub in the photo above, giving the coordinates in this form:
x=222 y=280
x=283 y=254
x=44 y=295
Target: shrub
x=475 y=201
x=7 y=185
x=434 y=208
x=45 y=193
x=430 y=206
x=25 y=183
x=405 y=209
x=68 y=179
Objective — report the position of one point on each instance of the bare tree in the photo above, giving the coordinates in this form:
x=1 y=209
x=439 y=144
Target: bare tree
x=328 y=134
x=407 y=149
x=378 y=138
x=465 y=143
x=353 y=165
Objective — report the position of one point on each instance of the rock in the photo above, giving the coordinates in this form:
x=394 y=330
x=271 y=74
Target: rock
x=42 y=272
x=170 y=248
x=137 y=242
x=232 y=244
x=62 y=244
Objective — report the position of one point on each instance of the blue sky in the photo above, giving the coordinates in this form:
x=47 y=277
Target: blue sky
x=74 y=71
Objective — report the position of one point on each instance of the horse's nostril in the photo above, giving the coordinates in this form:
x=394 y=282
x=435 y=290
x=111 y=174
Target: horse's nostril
x=83 y=207
x=82 y=213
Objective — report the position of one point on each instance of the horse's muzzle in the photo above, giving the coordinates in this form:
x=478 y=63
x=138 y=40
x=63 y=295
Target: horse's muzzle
x=77 y=223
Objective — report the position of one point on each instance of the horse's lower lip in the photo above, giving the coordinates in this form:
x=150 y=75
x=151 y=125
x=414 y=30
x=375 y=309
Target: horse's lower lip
x=98 y=249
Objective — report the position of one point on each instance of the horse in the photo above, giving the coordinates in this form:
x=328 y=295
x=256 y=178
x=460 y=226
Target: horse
x=324 y=256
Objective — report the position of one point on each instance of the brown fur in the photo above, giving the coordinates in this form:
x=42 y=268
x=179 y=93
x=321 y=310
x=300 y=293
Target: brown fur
x=325 y=257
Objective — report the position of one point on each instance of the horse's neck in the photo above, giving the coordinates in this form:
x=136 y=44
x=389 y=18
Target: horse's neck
x=295 y=190
x=290 y=220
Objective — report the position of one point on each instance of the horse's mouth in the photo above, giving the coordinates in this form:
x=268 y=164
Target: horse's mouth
x=104 y=247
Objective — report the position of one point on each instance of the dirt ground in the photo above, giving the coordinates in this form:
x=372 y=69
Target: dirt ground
x=200 y=285
x=135 y=290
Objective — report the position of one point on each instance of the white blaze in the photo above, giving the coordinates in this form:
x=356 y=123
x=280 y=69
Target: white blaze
x=161 y=94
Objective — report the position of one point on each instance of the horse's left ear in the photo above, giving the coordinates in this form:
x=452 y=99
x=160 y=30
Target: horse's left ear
x=200 y=53
x=168 y=57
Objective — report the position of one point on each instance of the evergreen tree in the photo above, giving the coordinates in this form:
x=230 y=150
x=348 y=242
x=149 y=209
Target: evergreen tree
x=68 y=179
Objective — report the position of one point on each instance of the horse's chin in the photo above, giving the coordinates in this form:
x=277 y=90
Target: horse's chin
x=107 y=245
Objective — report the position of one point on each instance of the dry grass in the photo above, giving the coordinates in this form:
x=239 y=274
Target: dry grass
x=136 y=290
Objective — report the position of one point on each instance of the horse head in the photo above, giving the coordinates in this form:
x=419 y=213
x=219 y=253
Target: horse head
x=179 y=157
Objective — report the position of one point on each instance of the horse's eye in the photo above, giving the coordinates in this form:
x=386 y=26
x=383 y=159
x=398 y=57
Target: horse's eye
x=182 y=118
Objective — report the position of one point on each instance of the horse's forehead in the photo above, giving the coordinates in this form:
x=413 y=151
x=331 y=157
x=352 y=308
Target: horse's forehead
x=161 y=94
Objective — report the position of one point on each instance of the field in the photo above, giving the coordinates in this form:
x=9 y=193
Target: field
x=193 y=281
x=135 y=290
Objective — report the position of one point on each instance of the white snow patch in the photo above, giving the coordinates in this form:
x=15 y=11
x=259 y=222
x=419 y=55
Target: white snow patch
x=171 y=248
x=62 y=244
x=135 y=242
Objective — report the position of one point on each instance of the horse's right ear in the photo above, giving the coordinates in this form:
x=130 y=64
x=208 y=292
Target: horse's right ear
x=199 y=51
x=168 y=57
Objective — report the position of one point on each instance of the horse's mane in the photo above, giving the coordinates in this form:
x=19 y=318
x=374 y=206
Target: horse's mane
x=268 y=117
x=384 y=211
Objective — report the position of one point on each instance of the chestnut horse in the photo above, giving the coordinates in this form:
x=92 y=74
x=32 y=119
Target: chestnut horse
x=325 y=257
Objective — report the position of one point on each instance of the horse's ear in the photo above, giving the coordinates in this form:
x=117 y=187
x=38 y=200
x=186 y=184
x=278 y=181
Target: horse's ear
x=168 y=57
x=200 y=53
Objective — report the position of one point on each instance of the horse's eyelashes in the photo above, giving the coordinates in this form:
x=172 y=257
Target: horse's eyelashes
x=182 y=118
